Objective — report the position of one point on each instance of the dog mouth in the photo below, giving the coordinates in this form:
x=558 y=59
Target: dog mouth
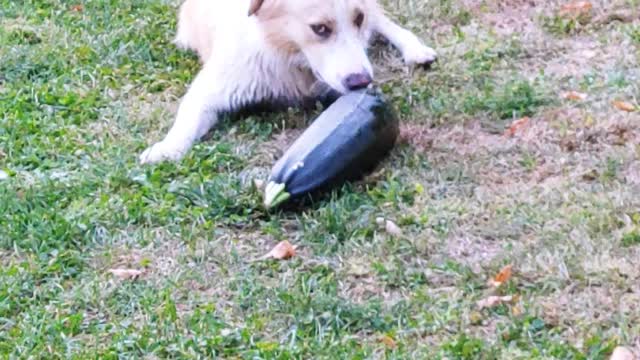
x=325 y=86
x=321 y=81
x=324 y=93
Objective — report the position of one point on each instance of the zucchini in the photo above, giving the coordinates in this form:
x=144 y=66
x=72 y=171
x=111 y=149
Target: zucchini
x=347 y=141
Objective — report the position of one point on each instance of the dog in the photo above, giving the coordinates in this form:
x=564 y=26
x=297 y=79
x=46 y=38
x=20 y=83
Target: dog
x=274 y=51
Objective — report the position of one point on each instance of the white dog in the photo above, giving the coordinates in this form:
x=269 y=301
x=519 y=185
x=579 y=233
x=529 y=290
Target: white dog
x=262 y=51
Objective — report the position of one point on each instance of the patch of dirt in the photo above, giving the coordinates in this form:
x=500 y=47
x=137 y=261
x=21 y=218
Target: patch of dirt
x=632 y=173
x=157 y=262
x=156 y=111
x=580 y=56
x=417 y=136
x=363 y=289
x=473 y=251
x=360 y=283
x=509 y=17
x=559 y=140
x=461 y=140
x=583 y=310
x=270 y=151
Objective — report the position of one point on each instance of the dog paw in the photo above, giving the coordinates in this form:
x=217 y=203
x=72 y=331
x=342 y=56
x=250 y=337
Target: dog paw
x=419 y=55
x=161 y=151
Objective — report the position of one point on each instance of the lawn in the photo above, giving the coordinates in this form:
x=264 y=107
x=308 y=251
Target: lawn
x=520 y=147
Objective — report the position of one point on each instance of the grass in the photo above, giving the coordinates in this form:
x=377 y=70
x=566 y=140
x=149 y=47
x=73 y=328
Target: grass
x=85 y=87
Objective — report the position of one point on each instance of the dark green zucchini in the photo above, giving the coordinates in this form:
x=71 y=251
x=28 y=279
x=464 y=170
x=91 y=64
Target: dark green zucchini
x=347 y=141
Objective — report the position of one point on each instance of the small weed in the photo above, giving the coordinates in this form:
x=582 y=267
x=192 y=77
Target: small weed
x=599 y=348
x=515 y=99
x=483 y=58
x=461 y=18
x=458 y=15
x=23 y=37
x=634 y=33
x=528 y=161
x=466 y=348
x=559 y=25
x=618 y=80
x=631 y=238
x=612 y=168
x=565 y=25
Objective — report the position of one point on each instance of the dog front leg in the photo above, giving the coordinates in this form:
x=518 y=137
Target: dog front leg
x=414 y=52
x=197 y=113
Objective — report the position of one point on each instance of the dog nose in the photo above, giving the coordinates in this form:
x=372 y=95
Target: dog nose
x=357 y=81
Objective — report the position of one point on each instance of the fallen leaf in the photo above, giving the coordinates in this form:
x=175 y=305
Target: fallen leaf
x=503 y=276
x=258 y=184
x=358 y=269
x=388 y=341
x=516 y=126
x=282 y=251
x=622 y=353
x=624 y=106
x=516 y=310
x=77 y=8
x=576 y=8
x=475 y=318
x=126 y=274
x=574 y=95
x=389 y=226
x=590 y=175
x=392 y=229
x=493 y=301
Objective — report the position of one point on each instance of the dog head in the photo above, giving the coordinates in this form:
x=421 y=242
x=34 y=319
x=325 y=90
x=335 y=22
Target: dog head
x=330 y=35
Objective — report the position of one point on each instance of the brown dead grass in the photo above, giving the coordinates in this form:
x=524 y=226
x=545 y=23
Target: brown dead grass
x=589 y=279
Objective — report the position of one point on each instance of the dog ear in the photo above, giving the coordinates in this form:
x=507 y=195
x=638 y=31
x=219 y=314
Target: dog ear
x=254 y=6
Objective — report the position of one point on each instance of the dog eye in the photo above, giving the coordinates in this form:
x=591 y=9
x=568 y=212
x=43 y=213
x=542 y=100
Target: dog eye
x=358 y=19
x=321 y=30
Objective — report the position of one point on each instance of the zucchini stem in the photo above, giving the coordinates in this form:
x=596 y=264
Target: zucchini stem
x=275 y=194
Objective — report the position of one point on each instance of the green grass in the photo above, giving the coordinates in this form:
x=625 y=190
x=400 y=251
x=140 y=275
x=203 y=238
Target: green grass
x=83 y=90
x=634 y=33
x=631 y=238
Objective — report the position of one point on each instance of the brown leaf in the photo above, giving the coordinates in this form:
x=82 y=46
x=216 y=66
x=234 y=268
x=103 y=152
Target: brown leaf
x=475 y=317
x=516 y=310
x=77 y=8
x=388 y=341
x=624 y=106
x=574 y=95
x=622 y=353
x=516 y=126
x=126 y=274
x=576 y=8
x=590 y=175
x=503 y=276
x=493 y=301
x=282 y=251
